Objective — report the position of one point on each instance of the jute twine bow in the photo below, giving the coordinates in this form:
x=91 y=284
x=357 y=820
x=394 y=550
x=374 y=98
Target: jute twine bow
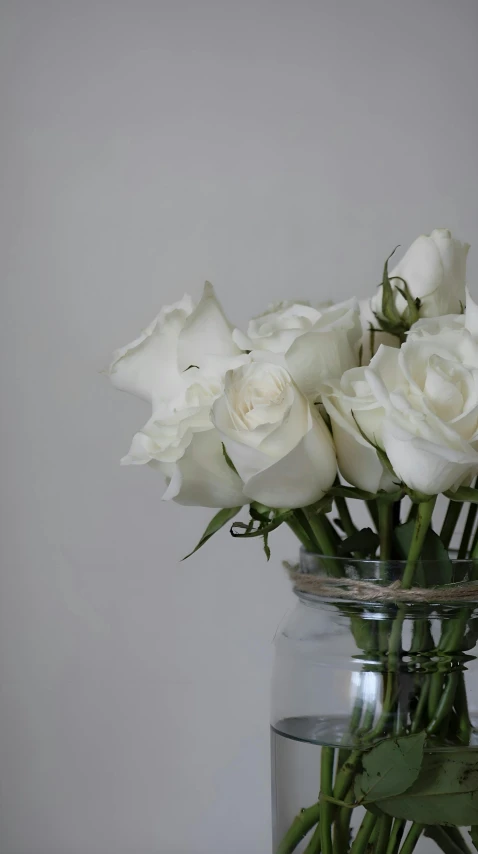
x=371 y=591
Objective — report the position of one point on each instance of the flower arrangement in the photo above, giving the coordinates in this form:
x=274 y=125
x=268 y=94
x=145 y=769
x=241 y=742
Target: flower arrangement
x=306 y=412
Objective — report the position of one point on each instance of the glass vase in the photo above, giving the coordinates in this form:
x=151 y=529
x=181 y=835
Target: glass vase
x=374 y=698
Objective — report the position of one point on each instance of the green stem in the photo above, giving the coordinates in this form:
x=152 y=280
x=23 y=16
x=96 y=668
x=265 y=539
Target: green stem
x=474 y=546
x=372 y=509
x=396 y=834
x=320 y=532
x=385 y=826
x=345 y=517
x=296 y=525
x=418 y=718
x=435 y=689
x=422 y=523
x=413 y=836
x=465 y=540
x=345 y=776
x=445 y=685
x=360 y=842
x=445 y=704
x=299 y=828
x=315 y=844
x=465 y=727
x=372 y=842
x=341 y=834
x=334 y=535
x=326 y=807
x=385 y=511
x=449 y=522
x=325 y=543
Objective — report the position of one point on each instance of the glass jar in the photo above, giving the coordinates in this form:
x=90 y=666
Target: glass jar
x=352 y=674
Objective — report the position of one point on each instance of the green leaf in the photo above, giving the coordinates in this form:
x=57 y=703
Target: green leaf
x=474 y=836
x=365 y=541
x=263 y=528
x=426 y=575
x=259 y=512
x=268 y=520
x=464 y=494
x=361 y=495
x=412 y=312
x=403 y=535
x=217 y=522
x=324 y=505
x=448 y=839
x=389 y=319
x=228 y=459
x=442 y=570
x=390 y=768
x=445 y=792
x=351 y=492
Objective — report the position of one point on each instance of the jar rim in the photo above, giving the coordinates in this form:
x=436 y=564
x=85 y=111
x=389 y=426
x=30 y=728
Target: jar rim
x=380 y=581
x=343 y=560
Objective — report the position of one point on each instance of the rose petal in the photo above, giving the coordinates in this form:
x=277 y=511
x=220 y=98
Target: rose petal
x=206 y=332
x=202 y=476
x=148 y=366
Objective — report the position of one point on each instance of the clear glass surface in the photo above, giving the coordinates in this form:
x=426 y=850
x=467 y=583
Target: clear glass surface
x=337 y=683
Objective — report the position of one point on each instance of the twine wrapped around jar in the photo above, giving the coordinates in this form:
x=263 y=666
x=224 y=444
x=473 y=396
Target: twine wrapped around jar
x=375 y=591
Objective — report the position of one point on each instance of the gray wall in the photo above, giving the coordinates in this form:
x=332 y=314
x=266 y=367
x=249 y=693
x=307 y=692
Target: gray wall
x=276 y=148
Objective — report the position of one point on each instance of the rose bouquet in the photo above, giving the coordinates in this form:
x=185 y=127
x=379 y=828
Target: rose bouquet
x=310 y=415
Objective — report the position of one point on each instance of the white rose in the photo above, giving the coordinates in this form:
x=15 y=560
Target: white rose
x=280 y=447
x=148 y=367
x=457 y=332
x=183 y=334
x=434 y=268
x=180 y=440
x=313 y=344
x=354 y=410
x=278 y=327
x=430 y=425
x=178 y=364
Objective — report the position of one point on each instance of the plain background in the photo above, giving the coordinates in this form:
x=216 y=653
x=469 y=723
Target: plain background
x=278 y=149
